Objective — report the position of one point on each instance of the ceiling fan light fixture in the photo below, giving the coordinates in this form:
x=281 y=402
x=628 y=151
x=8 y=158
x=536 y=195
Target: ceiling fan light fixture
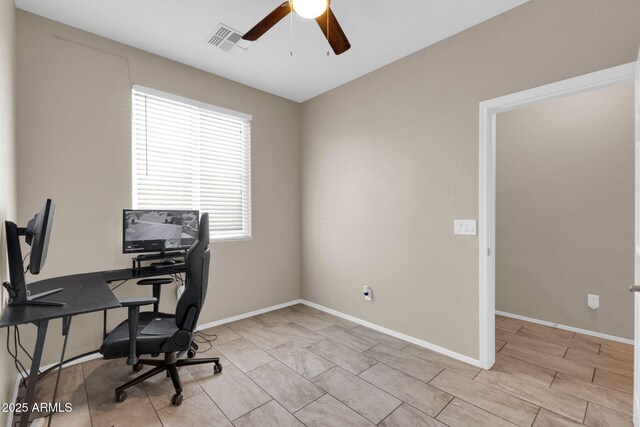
x=309 y=9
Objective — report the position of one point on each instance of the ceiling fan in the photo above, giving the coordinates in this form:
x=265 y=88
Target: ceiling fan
x=320 y=10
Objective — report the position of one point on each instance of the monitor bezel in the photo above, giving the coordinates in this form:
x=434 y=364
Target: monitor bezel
x=124 y=212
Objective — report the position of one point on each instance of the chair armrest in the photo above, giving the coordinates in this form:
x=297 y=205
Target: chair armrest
x=131 y=302
x=134 y=314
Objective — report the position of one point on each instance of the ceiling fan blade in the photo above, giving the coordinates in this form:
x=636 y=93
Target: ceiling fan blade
x=337 y=38
x=269 y=21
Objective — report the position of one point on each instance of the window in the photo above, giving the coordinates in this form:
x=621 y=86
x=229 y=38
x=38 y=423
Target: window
x=191 y=155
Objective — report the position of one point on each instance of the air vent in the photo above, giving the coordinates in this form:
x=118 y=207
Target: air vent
x=228 y=39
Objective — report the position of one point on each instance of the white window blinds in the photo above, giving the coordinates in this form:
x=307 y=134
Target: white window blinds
x=191 y=155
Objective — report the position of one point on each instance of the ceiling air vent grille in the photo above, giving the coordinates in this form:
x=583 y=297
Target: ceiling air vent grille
x=228 y=39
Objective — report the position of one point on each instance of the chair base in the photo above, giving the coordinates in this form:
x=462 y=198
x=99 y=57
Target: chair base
x=170 y=364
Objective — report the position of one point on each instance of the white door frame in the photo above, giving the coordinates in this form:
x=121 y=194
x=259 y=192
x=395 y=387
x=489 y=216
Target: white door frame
x=487 y=215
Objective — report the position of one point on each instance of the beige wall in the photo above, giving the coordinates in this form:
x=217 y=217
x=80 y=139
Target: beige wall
x=391 y=159
x=75 y=146
x=7 y=173
x=565 y=210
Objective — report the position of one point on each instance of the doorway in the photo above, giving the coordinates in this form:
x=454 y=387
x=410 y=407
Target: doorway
x=487 y=226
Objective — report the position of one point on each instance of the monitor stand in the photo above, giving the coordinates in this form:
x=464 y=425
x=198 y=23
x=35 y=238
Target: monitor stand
x=19 y=293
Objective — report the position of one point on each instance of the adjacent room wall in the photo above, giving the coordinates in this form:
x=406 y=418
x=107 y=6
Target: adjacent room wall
x=565 y=210
x=7 y=173
x=74 y=127
x=391 y=159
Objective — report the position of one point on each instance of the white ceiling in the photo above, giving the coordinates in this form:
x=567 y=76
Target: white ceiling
x=380 y=31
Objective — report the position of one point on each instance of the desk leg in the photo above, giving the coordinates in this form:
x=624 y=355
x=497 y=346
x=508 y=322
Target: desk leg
x=33 y=373
x=66 y=324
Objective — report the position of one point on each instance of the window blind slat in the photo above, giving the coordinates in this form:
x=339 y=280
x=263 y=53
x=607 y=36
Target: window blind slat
x=186 y=156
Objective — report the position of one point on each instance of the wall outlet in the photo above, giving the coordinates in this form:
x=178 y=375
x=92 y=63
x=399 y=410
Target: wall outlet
x=465 y=227
x=593 y=301
x=367 y=293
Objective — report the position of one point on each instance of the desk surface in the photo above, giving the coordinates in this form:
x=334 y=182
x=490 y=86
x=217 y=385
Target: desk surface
x=83 y=293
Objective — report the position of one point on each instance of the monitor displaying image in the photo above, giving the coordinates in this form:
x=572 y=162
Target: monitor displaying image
x=158 y=230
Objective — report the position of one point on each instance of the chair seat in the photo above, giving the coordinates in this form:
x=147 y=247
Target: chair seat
x=153 y=331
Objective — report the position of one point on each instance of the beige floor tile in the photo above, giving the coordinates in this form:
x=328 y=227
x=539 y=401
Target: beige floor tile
x=459 y=413
x=599 y=416
x=547 y=330
x=245 y=355
x=233 y=392
x=268 y=415
x=160 y=388
x=330 y=412
x=407 y=415
x=271 y=319
x=338 y=321
x=615 y=381
x=564 y=341
x=262 y=336
x=309 y=321
x=356 y=342
x=301 y=360
x=442 y=361
x=499 y=345
x=242 y=323
x=598 y=361
x=79 y=416
x=615 y=353
x=407 y=363
x=509 y=325
x=364 y=398
x=101 y=378
x=550 y=419
x=196 y=411
x=343 y=356
x=501 y=404
x=524 y=370
x=604 y=396
x=298 y=334
x=71 y=379
x=556 y=401
x=603 y=341
x=559 y=364
x=418 y=394
x=379 y=337
x=224 y=334
x=290 y=389
x=532 y=343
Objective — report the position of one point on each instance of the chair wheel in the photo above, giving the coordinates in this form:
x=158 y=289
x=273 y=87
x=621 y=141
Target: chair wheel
x=137 y=367
x=217 y=368
x=191 y=354
x=121 y=396
x=176 y=399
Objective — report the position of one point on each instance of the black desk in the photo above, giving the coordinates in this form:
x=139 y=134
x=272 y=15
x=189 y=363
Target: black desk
x=82 y=293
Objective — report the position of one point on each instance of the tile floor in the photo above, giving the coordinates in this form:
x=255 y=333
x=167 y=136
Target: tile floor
x=299 y=366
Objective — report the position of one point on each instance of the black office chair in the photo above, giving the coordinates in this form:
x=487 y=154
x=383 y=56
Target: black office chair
x=171 y=334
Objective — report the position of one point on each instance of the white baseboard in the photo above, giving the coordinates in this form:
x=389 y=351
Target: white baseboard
x=408 y=338
x=566 y=328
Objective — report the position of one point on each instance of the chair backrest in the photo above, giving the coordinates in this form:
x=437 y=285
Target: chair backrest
x=197 y=277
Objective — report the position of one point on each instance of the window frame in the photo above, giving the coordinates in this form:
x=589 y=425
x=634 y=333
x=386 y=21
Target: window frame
x=246 y=232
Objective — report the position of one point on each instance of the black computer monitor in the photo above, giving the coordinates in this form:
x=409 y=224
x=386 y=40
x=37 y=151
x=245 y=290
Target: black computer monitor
x=37 y=236
x=154 y=230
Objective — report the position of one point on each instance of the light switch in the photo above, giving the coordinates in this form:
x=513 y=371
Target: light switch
x=465 y=227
